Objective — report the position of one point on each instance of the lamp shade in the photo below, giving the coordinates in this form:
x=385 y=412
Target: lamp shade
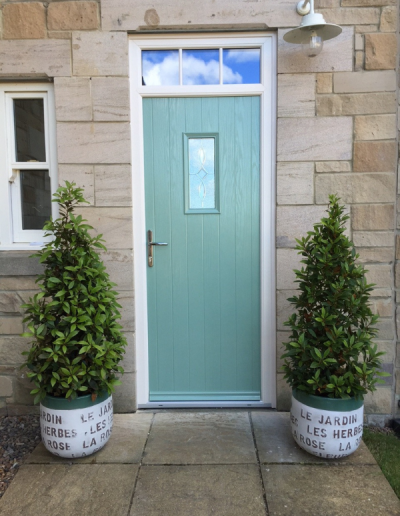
x=312 y=22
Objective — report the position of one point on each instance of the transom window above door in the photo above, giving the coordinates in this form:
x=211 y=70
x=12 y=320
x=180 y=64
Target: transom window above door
x=180 y=66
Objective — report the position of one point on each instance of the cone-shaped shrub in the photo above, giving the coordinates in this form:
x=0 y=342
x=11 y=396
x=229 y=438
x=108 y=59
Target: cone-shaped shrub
x=330 y=352
x=78 y=343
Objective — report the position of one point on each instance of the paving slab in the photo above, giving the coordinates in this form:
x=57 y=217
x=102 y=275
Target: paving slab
x=70 y=490
x=275 y=443
x=125 y=446
x=200 y=438
x=231 y=490
x=319 y=490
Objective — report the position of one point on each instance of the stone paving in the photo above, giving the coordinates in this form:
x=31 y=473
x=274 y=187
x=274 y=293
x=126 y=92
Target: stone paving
x=201 y=463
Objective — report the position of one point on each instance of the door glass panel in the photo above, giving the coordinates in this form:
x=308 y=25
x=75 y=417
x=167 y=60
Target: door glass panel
x=29 y=130
x=160 y=67
x=201 y=173
x=200 y=66
x=35 y=198
x=241 y=66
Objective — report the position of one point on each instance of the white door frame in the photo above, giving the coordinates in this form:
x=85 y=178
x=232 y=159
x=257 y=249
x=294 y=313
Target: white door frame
x=267 y=92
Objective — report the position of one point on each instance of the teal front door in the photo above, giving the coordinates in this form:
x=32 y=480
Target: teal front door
x=202 y=195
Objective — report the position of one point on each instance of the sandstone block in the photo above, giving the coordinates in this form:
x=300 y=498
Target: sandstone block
x=14 y=263
x=326 y=4
x=9 y=302
x=364 y=82
x=388 y=19
x=26 y=295
x=356 y=104
x=324 y=83
x=397 y=276
x=378 y=156
x=24 y=21
x=126 y=15
x=113 y=185
x=380 y=275
x=372 y=217
x=388 y=348
x=327 y=139
x=22 y=388
x=359 y=16
x=124 y=398
x=380 y=51
x=296 y=95
x=45 y=58
x=11 y=349
x=56 y=34
x=100 y=53
x=294 y=222
x=82 y=175
x=398 y=247
x=281 y=336
x=127 y=321
x=382 y=307
x=295 y=183
x=333 y=166
x=374 y=255
x=110 y=99
x=337 y=55
x=73 y=101
x=385 y=329
x=286 y=261
x=17 y=282
x=11 y=326
x=115 y=224
x=359 y=61
x=283 y=393
x=128 y=362
x=72 y=15
x=375 y=127
x=373 y=239
x=356 y=188
x=366 y=3
x=6 y=388
x=366 y=29
x=98 y=142
x=284 y=309
x=119 y=265
x=359 y=42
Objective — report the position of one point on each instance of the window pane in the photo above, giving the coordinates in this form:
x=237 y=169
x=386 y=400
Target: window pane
x=241 y=66
x=160 y=67
x=201 y=173
x=35 y=198
x=29 y=130
x=200 y=66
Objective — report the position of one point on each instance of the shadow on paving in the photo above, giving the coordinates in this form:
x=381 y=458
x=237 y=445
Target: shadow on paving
x=180 y=463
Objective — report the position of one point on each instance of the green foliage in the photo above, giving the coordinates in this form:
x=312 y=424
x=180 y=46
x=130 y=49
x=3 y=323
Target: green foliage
x=330 y=352
x=78 y=343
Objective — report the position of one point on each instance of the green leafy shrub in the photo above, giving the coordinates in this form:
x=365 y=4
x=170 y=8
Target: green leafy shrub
x=78 y=343
x=330 y=352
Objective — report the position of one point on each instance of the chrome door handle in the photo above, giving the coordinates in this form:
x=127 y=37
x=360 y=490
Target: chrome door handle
x=151 y=244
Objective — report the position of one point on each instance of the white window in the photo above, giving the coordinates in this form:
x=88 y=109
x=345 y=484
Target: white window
x=28 y=175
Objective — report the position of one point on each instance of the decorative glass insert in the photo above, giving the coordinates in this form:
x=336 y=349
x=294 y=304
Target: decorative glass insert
x=160 y=67
x=35 y=198
x=200 y=66
x=201 y=173
x=29 y=130
x=241 y=65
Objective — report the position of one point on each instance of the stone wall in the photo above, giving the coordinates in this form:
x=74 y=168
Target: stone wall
x=337 y=133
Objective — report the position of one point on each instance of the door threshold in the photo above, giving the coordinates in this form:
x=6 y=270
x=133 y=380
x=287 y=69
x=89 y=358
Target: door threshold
x=203 y=404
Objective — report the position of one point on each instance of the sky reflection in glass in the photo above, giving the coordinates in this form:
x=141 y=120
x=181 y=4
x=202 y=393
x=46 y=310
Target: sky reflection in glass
x=201 y=67
x=160 y=67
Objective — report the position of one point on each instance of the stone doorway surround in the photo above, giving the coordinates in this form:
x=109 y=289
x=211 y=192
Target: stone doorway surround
x=337 y=133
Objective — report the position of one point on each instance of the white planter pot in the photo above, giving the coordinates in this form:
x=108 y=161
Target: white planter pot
x=76 y=428
x=326 y=427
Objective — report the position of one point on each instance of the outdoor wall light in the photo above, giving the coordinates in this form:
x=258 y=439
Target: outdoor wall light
x=313 y=30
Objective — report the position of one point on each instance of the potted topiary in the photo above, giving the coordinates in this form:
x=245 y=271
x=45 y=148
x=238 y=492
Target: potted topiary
x=74 y=358
x=330 y=359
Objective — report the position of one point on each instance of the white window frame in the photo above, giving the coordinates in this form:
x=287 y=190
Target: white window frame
x=266 y=89
x=12 y=236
